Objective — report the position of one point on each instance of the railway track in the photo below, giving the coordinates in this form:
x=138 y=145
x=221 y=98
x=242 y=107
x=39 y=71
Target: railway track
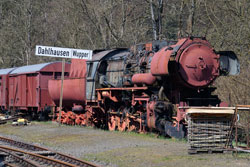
x=4 y=121
x=23 y=154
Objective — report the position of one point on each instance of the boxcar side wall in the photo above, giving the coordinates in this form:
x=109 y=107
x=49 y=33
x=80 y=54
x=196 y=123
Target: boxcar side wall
x=28 y=87
x=3 y=92
x=45 y=99
x=18 y=92
x=32 y=90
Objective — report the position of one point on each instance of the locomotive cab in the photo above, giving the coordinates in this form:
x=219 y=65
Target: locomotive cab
x=105 y=70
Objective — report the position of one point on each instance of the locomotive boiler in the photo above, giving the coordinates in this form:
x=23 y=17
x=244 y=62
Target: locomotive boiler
x=144 y=88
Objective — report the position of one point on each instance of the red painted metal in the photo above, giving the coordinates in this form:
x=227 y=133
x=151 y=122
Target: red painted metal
x=150 y=114
x=144 y=78
x=81 y=119
x=190 y=63
x=111 y=95
x=78 y=69
x=112 y=123
x=17 y=91
x=198 y=63
x=3 y=93
x=159 y=64
x=74 y=91
x=4 y=86
x=74 y=87
x=160 y=60
x=29 y=91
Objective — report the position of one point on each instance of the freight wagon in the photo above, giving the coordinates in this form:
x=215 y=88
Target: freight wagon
x=28 y=87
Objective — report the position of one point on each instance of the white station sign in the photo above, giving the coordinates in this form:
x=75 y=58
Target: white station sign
x=63 y=52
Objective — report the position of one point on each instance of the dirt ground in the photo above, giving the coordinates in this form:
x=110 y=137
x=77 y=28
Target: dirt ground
x=118 y=149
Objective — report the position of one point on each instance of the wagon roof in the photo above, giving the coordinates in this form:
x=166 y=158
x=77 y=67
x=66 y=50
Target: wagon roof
x=100 y=55
x=31 y=68
x=6 y=71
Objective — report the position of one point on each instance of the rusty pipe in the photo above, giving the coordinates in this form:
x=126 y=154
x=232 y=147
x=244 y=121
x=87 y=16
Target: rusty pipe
x=143 y=78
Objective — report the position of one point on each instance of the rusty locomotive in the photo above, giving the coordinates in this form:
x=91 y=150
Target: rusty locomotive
x=144 y=88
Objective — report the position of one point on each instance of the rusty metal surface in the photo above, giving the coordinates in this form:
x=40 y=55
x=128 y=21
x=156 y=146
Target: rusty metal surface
x=37 y=157
x=30 y=90
x=18 y=159
x=74 y=91
x=151 y=114
x=74 y=87
x=78 y=68
x=144 y=78
x=198 y=63
x=59 y=159
x=159 y=64
x=4 y=86
x=4 y=91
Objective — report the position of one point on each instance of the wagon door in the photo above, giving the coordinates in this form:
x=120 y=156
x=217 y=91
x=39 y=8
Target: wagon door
x=4 y=89
x=1 y=91
x=21 y=92
x=11 y=91
x=32 y=90
x=45 y=98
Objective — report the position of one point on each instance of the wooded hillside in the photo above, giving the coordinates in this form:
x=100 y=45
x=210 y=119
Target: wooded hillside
x=97 y=24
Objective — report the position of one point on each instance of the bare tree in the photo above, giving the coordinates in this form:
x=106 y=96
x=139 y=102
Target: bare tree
x=156 y=11
x=190 y=20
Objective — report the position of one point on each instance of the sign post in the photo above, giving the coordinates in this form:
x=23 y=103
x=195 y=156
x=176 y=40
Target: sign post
x=61 y=91
x=63 y=53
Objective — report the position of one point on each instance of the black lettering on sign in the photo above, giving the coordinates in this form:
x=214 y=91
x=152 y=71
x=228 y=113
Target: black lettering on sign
x=80 y=54
x=53 y=52
x=39 y=50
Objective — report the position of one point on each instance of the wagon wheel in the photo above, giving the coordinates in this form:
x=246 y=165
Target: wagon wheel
x=124 y=124
x=134 y=125
x=132 y=128
x=118 y=119
x=112 y=123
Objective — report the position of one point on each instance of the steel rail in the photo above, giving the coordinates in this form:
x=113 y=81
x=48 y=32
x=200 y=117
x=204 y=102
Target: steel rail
x=14 y=117
x=22 y=144
x=3 y=121
x=58 y=156
x=22 y=161
x=9 y=164
x=40 y=158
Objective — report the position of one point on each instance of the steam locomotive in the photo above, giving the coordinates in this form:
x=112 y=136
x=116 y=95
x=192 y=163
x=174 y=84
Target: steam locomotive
x=144 y=88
